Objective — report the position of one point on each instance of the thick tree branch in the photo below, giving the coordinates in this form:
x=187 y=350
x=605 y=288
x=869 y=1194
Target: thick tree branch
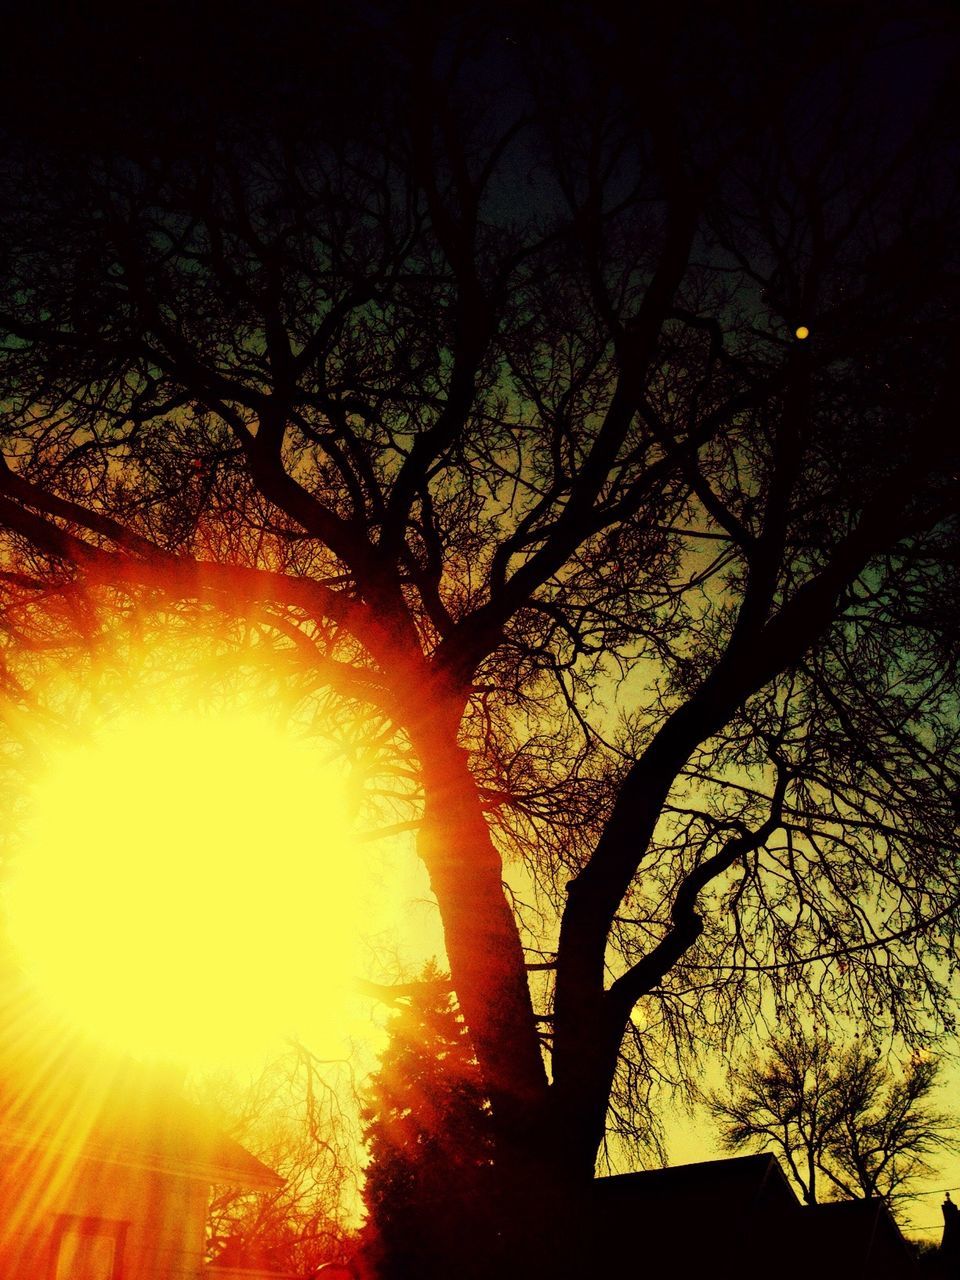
x=686 y=923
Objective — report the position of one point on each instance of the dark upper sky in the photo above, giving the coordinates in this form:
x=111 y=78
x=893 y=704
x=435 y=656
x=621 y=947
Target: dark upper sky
x=120 y=69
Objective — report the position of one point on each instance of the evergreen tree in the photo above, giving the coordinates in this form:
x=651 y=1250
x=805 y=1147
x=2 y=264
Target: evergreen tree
x=427 y=1130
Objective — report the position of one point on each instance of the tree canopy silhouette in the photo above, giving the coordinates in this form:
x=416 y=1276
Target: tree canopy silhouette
x=290 y=1117
x=841 y=1119
x=577 y=410
x=429 y=1138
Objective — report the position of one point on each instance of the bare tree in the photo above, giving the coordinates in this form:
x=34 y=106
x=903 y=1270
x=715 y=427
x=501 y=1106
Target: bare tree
x=574 y=425
x=836 y=1111
x=887 y=1127
x=289 y=1117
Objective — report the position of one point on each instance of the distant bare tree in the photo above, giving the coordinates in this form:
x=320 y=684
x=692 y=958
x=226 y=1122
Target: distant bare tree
x=836 y=1111
x=290 y=1118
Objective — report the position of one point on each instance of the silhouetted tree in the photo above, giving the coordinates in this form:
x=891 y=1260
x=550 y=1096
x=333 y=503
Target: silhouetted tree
x=574 y=407
x=290 y=1118
x=836 y=1111
x=429 y=1137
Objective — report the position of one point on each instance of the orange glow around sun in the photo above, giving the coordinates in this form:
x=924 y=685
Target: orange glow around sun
x=189 y=887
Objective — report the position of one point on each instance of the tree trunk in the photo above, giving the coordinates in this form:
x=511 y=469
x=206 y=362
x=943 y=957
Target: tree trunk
x=482 y=940
x=545 y=1143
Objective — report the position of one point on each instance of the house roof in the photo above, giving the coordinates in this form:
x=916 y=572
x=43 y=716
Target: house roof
x=715 y=1216
x=741 y=1218
x=850 y=1231
x=739 y=1180
x=60 y=1092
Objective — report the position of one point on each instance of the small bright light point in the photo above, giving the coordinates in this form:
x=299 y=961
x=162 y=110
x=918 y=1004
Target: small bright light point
x=802 y=332
x=189 y=888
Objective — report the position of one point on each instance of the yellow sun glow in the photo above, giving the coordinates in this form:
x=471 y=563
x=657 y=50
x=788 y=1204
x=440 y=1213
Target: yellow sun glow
x=188 y=887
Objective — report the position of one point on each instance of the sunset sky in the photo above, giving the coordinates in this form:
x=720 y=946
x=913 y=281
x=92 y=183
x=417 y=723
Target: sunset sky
x=481 y=487
x=257 y=900
x=225 y=860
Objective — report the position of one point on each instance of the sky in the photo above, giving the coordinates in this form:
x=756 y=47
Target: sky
x=257 y=902
x=219 y=856
x=257 y=919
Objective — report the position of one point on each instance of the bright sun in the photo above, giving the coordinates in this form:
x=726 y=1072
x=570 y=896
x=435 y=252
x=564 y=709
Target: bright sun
x=188 y=886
